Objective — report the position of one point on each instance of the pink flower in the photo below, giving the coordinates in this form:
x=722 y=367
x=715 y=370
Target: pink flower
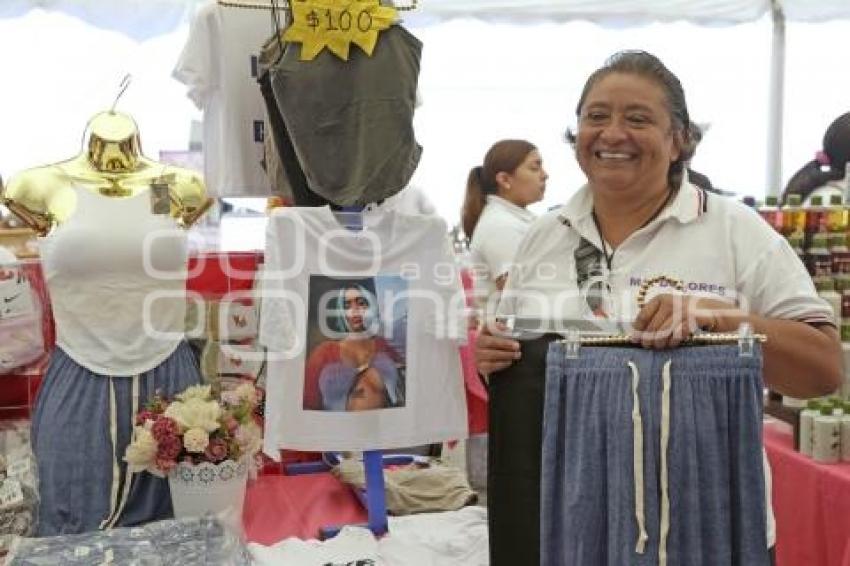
x=230 y=423
x=165 y=428
x=146 y=415
x=216 y=450
x=168 y=447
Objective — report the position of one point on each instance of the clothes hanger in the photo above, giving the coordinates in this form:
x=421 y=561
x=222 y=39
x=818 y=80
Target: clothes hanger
x=254 y=5
x=414 y=4
x=574 y=337
x=744 y=338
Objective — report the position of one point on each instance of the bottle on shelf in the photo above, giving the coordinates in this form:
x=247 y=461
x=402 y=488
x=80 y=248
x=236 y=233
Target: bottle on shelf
x=837 y=405
x=845 y=315
x=816 y=216
x=839 y=253
x=826 y=439
x=807 y=421
x=771 y=213
x=847 y=182
x=818 y=259
x=795 y=240
x=825 y=286
x=793 y=216
x=845 y=433
x=842 y=282
x=837 y=218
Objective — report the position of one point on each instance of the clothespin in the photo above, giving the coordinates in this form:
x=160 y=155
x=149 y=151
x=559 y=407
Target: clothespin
x=572 y=342
x=745 y=340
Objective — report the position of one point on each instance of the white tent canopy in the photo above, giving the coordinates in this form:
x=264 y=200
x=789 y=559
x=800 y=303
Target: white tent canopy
x=141 y=19
x=619 y=11
x=516 y=75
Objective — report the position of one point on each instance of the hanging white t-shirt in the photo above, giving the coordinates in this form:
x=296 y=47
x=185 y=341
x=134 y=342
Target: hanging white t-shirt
x=219 y=66
x=406 y=279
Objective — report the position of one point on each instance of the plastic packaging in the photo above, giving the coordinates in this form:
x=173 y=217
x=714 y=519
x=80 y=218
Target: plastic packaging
x=18 y=483
x=21 y=339
x=164 y=543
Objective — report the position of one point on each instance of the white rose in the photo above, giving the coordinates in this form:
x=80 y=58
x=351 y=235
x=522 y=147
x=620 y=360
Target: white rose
x=195 y=413
x=141 y=452
x=196 y=440
x=202 y=392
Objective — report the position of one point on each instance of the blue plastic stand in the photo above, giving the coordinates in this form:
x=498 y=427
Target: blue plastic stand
x=376 y=501
x=373 y=497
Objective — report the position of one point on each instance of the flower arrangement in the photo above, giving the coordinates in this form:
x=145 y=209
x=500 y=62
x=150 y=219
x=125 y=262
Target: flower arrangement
x=195 y=427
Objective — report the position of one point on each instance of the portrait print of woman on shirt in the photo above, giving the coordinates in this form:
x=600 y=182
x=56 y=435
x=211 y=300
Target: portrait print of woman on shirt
x=354 y=368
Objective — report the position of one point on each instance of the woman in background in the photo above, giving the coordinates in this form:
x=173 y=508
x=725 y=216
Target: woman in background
x=824 y=175
x=494 y=215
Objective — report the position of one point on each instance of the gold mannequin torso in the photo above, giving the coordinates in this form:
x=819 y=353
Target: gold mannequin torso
x=111 y=165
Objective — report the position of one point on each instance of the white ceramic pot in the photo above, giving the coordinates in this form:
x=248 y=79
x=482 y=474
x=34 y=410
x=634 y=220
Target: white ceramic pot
x=208 y=488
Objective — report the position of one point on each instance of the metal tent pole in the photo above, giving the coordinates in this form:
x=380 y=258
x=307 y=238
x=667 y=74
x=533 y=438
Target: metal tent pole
x=777 y=102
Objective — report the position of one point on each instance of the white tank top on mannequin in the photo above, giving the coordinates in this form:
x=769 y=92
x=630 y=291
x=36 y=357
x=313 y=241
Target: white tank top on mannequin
x=116 y=274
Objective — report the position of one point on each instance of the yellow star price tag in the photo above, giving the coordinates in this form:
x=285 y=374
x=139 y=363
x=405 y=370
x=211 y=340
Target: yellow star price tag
x=336 y=24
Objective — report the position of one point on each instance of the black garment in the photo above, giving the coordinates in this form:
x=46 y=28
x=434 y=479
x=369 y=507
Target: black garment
x=301 y=193
x=513 y=456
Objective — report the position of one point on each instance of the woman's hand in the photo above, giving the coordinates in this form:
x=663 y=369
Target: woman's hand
x=668 y=319
x=494 y=353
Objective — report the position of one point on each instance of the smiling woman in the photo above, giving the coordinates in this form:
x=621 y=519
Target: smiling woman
x=636 y=218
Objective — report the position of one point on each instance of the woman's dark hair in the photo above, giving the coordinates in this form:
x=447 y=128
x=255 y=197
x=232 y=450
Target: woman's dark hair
x=650 y=67
x=504 y=155
x=828 y=166
x=337 y=321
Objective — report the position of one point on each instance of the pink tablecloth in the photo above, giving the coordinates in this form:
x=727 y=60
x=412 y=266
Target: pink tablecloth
x=811 y=502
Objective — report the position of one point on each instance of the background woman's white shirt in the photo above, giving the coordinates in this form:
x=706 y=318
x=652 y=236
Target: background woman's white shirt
x=827 y=190
x=497 y=235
